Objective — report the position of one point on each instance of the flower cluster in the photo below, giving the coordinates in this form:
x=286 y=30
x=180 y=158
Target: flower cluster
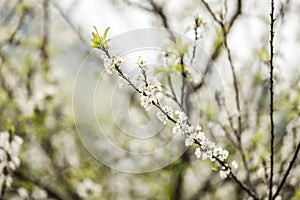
x=88 y=189
x=148 y=89
x=181 y=126
x=148 y=92
x=110 y=63
x=196 y=25
x=9 y=157
x=163 y=116
x=142 y=64
x=207 y=149
x=224 y=172
x=36 y=194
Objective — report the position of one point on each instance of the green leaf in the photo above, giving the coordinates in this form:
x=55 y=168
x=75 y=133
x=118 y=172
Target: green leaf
x=181 y=47
x=257 y=138
x=297 y=195
x=10 y=127
x=105 y=33
x=162 y=69
x=263 y=55
x=178 y=47
x=98 y=41
x=220 y=37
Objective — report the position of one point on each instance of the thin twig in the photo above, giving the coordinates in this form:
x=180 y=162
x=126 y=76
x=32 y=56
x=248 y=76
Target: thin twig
x=68 y=21
x=157 y=105
x=238 y=132
x=225 y=31
x=45 y=36
x=183 y=82
x=272 y=20
x=217 y=49
x=283 y=181
x=157 y=10
x=172 y=90
x=11 y=12
x=235 y=178
x=235 y=82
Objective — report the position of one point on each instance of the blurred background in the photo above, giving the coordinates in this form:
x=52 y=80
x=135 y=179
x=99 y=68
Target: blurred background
x=43 y=44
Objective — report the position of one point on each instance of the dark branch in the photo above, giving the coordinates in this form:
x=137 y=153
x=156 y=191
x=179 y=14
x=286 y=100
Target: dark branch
x=272 y=20
x=283 y=181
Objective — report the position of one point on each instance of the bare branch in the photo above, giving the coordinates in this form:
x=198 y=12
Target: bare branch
x=283 y=181
x=217 y=49
x=272 y=21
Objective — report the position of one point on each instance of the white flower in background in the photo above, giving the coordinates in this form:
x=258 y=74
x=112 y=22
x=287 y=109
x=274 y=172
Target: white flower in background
x=234 y=164
x=88 y=189
x=164 y=116
x=39 y=194
x=9 y=156
x=23 y=193
x=67 y=149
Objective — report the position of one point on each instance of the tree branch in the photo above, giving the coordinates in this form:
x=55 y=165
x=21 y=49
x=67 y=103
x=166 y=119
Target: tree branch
x=283 y=181
x=272 y=20
x=217 y=49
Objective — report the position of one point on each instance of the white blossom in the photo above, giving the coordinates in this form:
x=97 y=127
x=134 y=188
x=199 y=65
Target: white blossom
x=198 y=152
x=87 y=189
x=168 y=111
x=220 y=153
x=146 y=101
x=224 y=173
x=198 y=134
x=39 y=194
x=181 y=129
x=9 y=156
x=66 y=149
x=142 y=64
x=150 y=88
x=189 y=141
x=180 y=117
x=234 y=164
x=23 y=193
x=148 y=92
x=111 y=62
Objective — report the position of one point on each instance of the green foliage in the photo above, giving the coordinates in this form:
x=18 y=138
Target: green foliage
x=23 y=7
x=219 y=38
x=297 y=195
x=257 y=138
x=173 y=68
x=98 y=41
x=263 y=55
x=179 y=48
x=10 y=127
